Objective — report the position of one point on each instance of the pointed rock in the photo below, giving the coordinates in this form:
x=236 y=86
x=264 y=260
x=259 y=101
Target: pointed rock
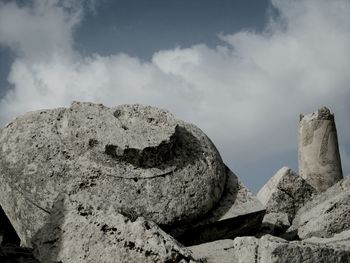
x=285 y=192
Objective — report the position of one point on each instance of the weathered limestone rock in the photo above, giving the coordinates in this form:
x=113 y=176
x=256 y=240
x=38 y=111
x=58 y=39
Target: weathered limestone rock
x=77 y=233
x=139 y=160
x=238 y=213
x=285 y=192
x=319 y=158
x=327 y=214
x=270 y=249
x=274 y=250
x=341 y=240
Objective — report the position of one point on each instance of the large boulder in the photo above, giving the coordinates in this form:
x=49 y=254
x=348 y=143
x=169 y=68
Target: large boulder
x=285 y=192
x=76 y=233
x=270 y=249
x=130 y=159
x=327 y=214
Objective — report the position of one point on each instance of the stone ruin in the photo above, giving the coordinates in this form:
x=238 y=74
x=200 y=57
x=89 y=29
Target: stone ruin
x=132 y=183
x=319 y=158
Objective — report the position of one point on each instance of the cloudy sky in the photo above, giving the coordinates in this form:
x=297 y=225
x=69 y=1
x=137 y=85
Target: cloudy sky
x=242 y=70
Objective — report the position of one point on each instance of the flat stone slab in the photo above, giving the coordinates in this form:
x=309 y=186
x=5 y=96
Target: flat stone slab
x=239 y=212
x=219 y=251
x=136 y=160
x=270 y=249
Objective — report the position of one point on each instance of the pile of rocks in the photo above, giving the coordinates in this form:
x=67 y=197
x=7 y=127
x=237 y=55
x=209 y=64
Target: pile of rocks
x=307 y=217
x=131 y=183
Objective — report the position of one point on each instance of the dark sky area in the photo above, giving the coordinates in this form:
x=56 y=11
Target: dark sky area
x=140 y=28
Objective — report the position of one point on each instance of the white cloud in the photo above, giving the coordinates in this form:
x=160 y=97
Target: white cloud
x=246 y=94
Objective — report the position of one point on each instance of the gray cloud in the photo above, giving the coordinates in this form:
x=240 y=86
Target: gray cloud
x=246 y=94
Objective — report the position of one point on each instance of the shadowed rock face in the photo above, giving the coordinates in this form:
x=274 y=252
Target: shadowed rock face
x=319 y=158
x=131 y=159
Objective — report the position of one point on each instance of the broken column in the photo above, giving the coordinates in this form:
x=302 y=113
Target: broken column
x=319 y=158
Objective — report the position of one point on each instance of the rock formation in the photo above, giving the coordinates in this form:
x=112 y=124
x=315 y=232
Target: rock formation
x=270 y=249
x=285 y=192
x=132 y=184
x=237 y=213
x=326 y=214
x=130 y=167
x=139 y=161
x=76 y=234
x=319 y=158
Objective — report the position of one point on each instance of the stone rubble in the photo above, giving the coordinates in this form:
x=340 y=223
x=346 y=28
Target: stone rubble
x=132 y=183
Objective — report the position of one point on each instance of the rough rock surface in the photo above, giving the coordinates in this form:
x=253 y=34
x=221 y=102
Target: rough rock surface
x=275 y=250
x=75 y=233
x=341 y=240
x=238 y=213
x=327 y=214
x=220 y=251
x=136 y=160
x=285 y=192
x=319 y=158
x=270 y=249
